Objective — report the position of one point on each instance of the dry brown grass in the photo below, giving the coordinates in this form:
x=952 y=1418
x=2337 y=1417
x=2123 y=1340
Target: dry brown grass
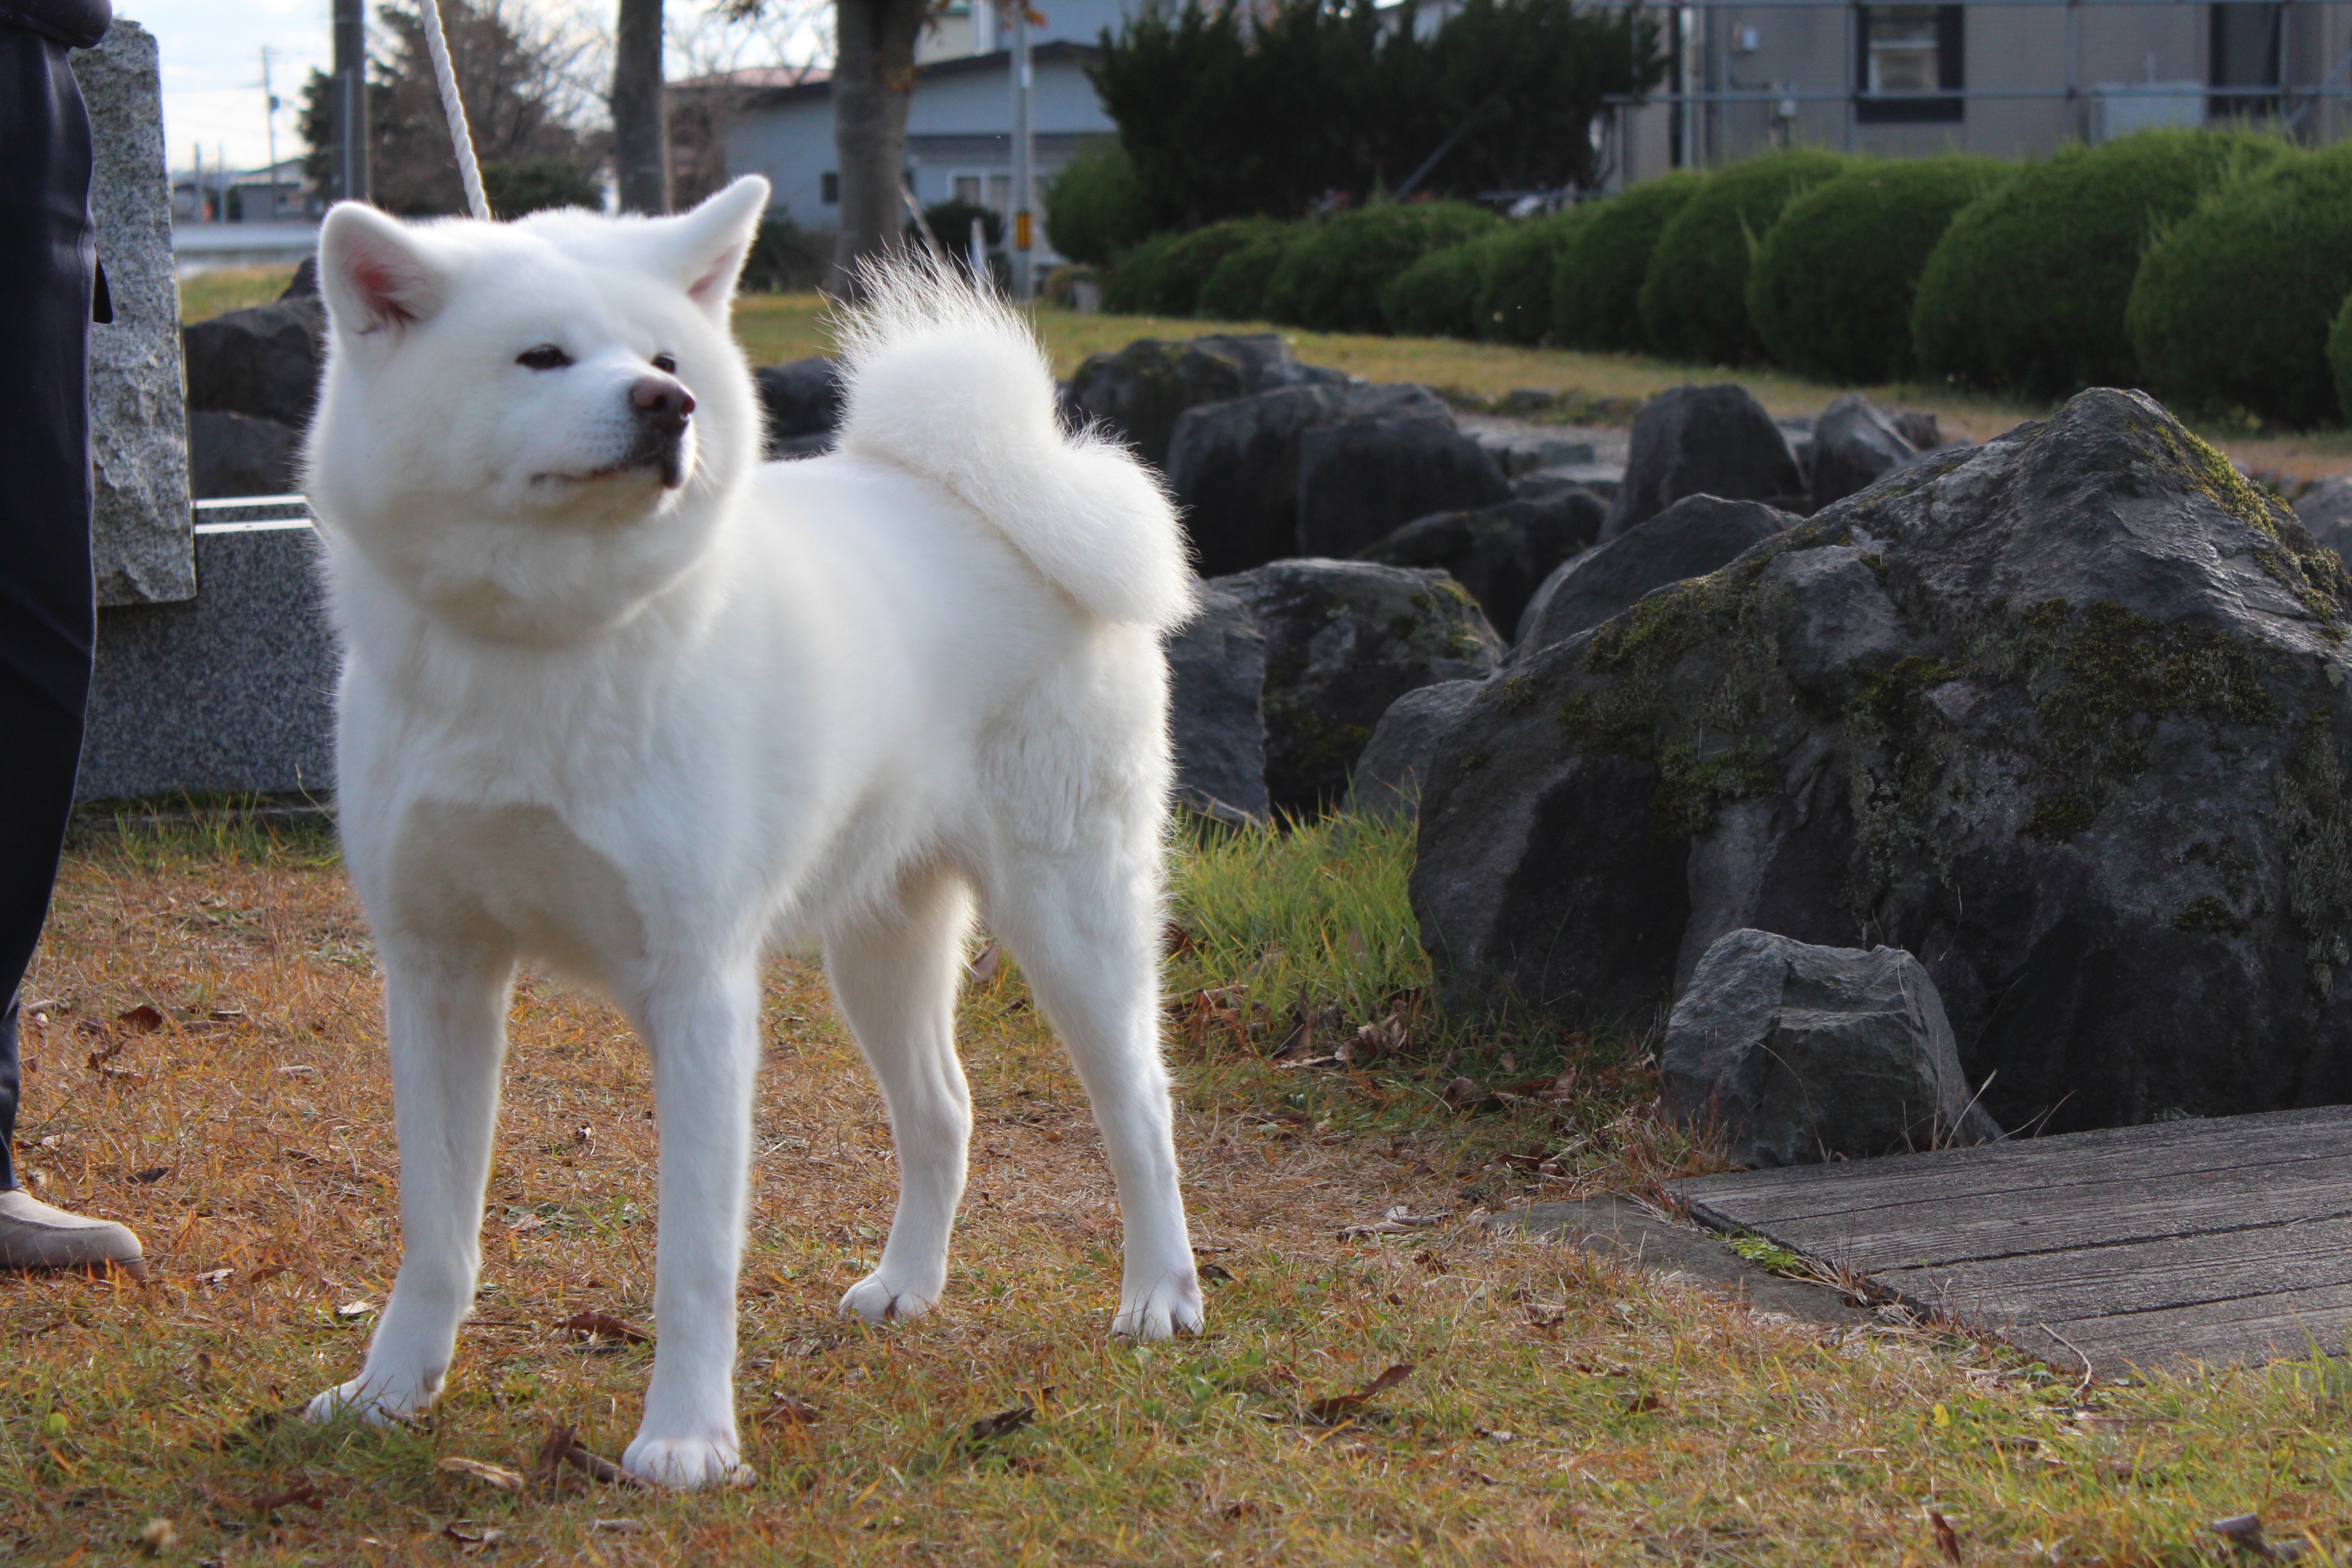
x=1560 y=1409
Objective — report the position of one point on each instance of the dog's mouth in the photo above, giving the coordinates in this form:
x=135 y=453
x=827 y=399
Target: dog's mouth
x=665 y=459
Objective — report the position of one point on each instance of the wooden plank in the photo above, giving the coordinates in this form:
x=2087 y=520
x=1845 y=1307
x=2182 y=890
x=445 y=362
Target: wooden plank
x=2135 y=1277
x=2283 y=1327
x=1934 y=1231
x=2154 y=1151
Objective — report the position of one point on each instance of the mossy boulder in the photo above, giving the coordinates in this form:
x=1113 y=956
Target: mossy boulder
x=1138 y=393
x=2064 y=714
x=1343 y=641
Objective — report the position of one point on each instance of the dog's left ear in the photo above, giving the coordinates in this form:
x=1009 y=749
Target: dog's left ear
x=706 y=246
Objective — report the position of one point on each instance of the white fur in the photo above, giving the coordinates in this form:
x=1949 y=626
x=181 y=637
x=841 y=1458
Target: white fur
x=641 y=732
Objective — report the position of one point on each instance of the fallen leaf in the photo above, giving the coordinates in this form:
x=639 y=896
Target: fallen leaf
x=489 y=1475
x=619 y=1526
x=993 y=1426
x=564 y=1448
x=465 y=1534
x=1340 y=1404
x=214 y=1276
x=791 y=1412
x=1948 y=1541
x=1176 y=940
x=152 y=1175
x=1215 y=1274
x=298 y=1069
x=302 y=1494
x=145 y=1018
x=358 y=1309
x=227 y=1015
x=303 y=1156
x=2244 y=1531
x=982 y=967
x=1640 y=1404
x=594 y=1326
x=160 y=1535
x=585 y=1137
x=266 y=1271
x=528 y=1224
x=1398 y=1221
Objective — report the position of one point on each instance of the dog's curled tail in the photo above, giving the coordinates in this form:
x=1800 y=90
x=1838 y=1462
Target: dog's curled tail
x=948 y=382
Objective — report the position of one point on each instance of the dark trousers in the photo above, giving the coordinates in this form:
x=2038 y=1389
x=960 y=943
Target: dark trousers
x=49 y=619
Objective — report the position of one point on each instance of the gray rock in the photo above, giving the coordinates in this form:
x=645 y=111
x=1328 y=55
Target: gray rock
x=1137 y=394
x=1855 y=446
x=1517 y=453
x=1217 y=670
x=1793 y=1055
x=1344 y=640
x=1606 y=482
x=1704 y=440
x=1233 y=465
x=785 y=449
x=1500 y=553
x=1386 y=779
x=1360 y=480
x=800 y=399
x=1919 y=426
x=1695 y=536
x=141 y=534
x=263 y=362
x=231 y=692
x=237 y=455
x=2326 y=508
x=2086 y=750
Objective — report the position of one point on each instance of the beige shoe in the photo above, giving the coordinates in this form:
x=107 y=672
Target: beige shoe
x=33 y=1235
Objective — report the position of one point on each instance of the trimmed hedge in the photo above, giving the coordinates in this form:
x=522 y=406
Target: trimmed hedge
x=1096 y=207
x=1831 y=289
x=2340 y=356
x=1514 y=304
x=1695 y=295
x=2027 y=290
x=1235 y=291
x=1331 y=280
x=1195 y=256
x=2233 y=305
x=1141 y=278
x=1437 y=296
x=1596 y=288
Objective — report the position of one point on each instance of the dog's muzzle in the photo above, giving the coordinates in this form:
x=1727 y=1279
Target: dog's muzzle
x=663 y=407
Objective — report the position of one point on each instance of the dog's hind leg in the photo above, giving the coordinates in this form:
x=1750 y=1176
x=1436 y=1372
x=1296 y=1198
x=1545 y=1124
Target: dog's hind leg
x=894 y=975
x=1086 y=930
x=702 y=1028
x=444 y=1012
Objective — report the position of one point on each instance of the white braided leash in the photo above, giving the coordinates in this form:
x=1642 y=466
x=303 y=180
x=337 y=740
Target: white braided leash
x=436 y=44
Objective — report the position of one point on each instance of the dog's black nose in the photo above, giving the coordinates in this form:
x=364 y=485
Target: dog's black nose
x=661 y=403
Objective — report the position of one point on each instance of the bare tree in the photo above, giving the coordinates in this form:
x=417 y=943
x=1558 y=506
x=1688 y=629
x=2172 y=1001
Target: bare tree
x=873 y=79
x=640 y=129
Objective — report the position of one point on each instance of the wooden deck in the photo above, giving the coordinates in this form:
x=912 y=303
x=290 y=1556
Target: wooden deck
x=2219 y=1241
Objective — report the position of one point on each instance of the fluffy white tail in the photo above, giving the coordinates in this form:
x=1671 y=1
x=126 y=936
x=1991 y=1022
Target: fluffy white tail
x=946 y=382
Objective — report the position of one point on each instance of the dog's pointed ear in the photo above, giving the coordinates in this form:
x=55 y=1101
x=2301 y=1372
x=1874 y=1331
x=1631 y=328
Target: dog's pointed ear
x=373 y=272
x=709 y=243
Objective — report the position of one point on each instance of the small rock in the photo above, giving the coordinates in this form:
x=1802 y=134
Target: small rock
x=263 y=362
x=1689 y=539
x=1386 y=779
x=239 y=455
x=1357 y=481
x=2326 y=510
x=802 y=398
x=1855 y=446
x=1216 y=666
x=1138 y=393
x=1501 y=553
x=1704 y=440
x=1793 y=1054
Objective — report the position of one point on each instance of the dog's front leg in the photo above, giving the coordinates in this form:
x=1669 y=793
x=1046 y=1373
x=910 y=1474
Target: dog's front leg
x=445 y=1017
x=704 y=1035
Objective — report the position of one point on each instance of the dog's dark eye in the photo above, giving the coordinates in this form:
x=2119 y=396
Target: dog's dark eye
x=665 y=363
x=547 y=356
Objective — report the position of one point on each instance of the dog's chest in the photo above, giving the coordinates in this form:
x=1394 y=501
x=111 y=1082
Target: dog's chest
x=515 y=876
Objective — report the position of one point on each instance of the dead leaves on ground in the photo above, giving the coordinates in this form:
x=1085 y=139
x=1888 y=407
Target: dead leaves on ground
x=563 y=1449
x=602 y=1332
x=1339 y=1407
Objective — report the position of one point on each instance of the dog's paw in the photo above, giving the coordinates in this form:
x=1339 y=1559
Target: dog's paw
x=1171 y=1306
x=376 y=1401
x=687 y=1463
x=877 y=1300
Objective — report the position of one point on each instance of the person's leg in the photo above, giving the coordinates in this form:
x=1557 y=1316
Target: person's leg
x=48 y=618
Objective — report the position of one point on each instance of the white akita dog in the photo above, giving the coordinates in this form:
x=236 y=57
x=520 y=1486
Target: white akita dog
x=618 y=697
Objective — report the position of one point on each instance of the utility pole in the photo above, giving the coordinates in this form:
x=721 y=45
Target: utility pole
x=269 y=121
x=351 y=178
x=1023 y=162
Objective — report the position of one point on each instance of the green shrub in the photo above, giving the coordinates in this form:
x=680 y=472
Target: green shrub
x=1331 y=280
x=1193 y=258
x=950 y=222
x=785 y=259
x=1437 y=296
x=1095 y=206
x=2233 y=305
x=1141 y=277
x=1514 y=302
x=2026 y=291
x=1830 y=290
x=537 y=184
x=1695 y=295
x=1597 y=288
x=1235 y=291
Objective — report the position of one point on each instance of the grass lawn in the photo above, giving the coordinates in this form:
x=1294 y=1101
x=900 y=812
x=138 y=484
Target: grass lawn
x=1556 y=1409
x=1595 y=388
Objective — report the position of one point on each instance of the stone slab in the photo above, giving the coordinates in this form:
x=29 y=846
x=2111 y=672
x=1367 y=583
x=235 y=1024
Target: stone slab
x=230 y=692
x=141 y=534
x=2218 y=1240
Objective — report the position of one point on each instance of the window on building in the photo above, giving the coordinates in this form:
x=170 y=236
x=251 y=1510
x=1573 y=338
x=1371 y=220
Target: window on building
x=829 y=188
x=1904 y=53
x=994 y=192
x=2244 y=53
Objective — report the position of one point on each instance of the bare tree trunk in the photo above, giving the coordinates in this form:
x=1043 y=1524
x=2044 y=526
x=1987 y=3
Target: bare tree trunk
x=640 y=136
x=873 y=77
